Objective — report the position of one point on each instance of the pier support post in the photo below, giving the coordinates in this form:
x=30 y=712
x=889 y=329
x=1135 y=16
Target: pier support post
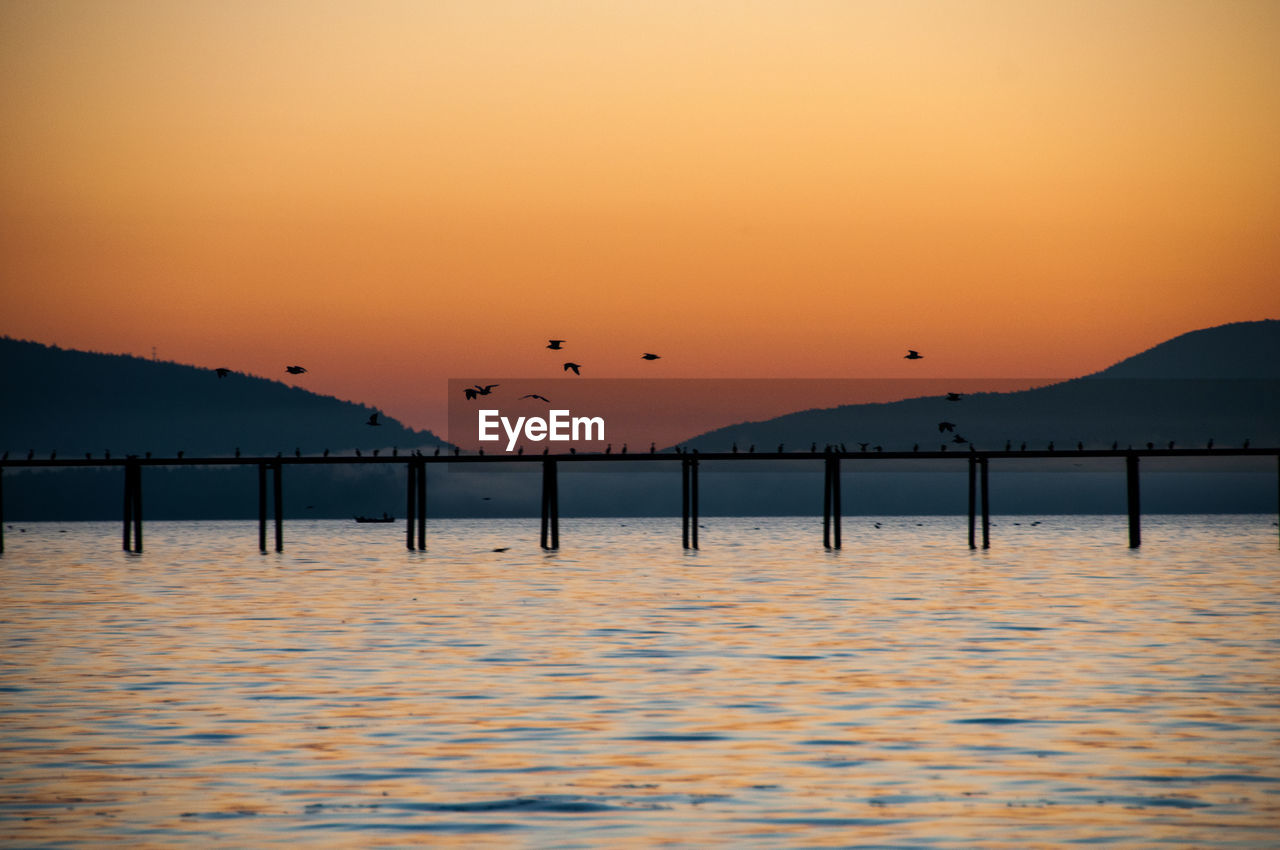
x=826 y=504
x=410 y=496
x=262 y=508
x=415 y=508
x=973 y=471
x=831 y=509
x=684 y=503
x=550 y=506
x=837 y=512
x=689 y=502
x=277 y=487
x=693 y=502
x=986 y=505
x=1135 y=518
x=422 y=505
x=1 y=510
x=132 y=507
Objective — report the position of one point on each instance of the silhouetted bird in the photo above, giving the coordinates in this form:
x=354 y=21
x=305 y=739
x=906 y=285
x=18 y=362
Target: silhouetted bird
x=222 y=372
x=1150 y=446
x=520 y=450
x=752 y=450
x=653 y=448
x=1171 y=445
x=107 y=453
x=1246 y=443
x=373 y=419
x=946 y=426
x=953 y=396
x=574 y=367
x=813 y=448
x=1115 y=444
x=437 y=452
x=478 y=451
x=294 y=370
x=6 y=456
x=297 y=452
x=538 y=397
x=179 y=453
x=572 y=450
x=915 y=447
x=456 y=451
x=486 y=389
x=88 y=456
x=779 y=448
x=358 y=453
x=545 y=451
x=650 y=357
x=1008 y=446
x=1210 y=445
x=395 y=451
x=555 y=344
x=877 y=448
x=238 y=451
x=863 y=446
x=608 y=449
x=958 y=439
x=624 y=448
x=943 y=447
x=31 y=453
x=1023 y=448
x=1079 y=447
x=734 y=448
x=470 y=393
x=1051 y=445
x=912 y=354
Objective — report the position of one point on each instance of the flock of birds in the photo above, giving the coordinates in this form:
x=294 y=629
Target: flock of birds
x=478 y=390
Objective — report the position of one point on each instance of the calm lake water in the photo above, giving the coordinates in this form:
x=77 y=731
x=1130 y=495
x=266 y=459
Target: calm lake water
x=904 y=692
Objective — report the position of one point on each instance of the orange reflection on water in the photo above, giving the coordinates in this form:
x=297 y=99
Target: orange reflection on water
x=1058 y=687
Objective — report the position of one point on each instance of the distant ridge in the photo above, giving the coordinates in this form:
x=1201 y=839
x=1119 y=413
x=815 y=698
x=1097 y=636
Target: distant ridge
x=76 y=402
x=1220 y=384
x=1236 y=350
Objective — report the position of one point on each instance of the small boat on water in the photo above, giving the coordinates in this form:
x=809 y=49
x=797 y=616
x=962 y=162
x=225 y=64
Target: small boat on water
x=383 y=518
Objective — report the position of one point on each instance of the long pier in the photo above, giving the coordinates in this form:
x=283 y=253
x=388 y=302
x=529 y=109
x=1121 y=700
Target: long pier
x=416 y=483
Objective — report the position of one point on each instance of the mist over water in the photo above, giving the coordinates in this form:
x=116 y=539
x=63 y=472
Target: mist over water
x=904 y=691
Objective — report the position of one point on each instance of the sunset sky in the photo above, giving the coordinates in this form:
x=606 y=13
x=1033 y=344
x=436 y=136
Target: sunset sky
x=396 y=193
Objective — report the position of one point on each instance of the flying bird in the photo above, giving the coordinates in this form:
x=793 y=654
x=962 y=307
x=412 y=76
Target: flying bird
x=295 y=370
x=650 y=357
x=222 y=372
x=912 y=354
x=486 y=389
x=538 y=397
x=953 y=396
x=946 y=426
x=574 y=367
x=470 y=393
x=373 y=419
x=555 y=344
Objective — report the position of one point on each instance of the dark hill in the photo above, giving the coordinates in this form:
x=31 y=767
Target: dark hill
x=1237 y=350
x=76 y=402
x=1220 y=383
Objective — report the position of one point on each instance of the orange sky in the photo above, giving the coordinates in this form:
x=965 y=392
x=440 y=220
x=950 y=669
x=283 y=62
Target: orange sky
x=395 y=193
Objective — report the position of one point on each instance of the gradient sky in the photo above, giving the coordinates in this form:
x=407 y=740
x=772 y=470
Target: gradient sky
x=395 y=193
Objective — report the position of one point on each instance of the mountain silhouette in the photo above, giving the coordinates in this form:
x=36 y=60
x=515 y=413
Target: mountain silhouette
x=76 y=402
x=1220 y=383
